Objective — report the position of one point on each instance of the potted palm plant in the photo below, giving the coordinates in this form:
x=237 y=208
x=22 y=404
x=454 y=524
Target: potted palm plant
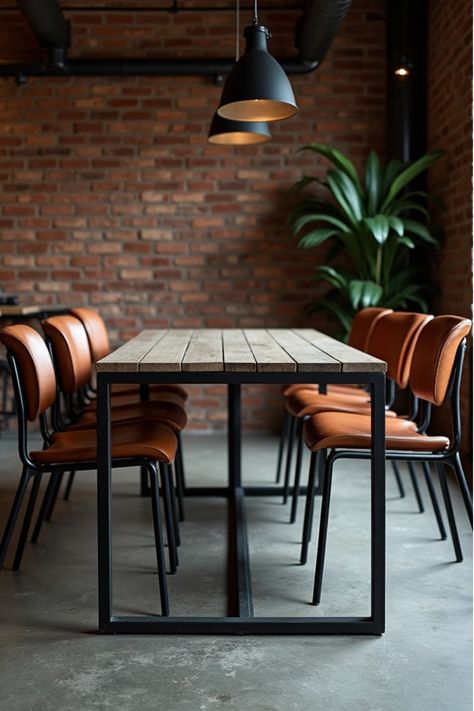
x=373 y=222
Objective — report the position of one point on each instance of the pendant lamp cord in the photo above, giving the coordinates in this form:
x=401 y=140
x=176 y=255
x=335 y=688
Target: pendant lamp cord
x=255 y=13
x=237 y=29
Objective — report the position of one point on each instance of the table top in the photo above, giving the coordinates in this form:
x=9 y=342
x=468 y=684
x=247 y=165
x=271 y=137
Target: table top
x=244 y=350
x=12 y=310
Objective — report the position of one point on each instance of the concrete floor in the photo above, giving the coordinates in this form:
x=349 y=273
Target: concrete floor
x=52 y=658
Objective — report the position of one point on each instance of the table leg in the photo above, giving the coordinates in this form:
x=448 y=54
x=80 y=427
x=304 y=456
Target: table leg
x=240 y=587
x=377 y=468
x=104 y=518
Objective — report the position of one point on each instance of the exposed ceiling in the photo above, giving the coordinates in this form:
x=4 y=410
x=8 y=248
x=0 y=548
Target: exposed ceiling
x=316 y=24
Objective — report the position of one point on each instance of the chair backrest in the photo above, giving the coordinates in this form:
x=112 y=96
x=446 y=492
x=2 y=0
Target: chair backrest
x=435 y=356
x=71 y=351
x=36 y=372
x=96 y=331
x=393 y=339
x=362 y=325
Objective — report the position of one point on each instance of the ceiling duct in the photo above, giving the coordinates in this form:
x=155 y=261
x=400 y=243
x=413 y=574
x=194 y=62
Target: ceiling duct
x=50 y=27
x=315 y=30
x=318 y=26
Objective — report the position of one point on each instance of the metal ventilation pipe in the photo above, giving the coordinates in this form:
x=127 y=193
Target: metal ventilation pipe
x=315 y=31
x=50 y=27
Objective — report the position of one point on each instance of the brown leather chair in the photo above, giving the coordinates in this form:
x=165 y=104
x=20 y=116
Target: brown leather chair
x=361 y=329
x=72 y=357
x=136 y=443
x=435 y=375
x=392 y=339
x=99 y=344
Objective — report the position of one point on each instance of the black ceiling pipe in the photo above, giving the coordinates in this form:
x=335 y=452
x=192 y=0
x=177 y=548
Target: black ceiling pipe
x=407 y=47
x=317 y=27
x=320 y=21
x=140 y=67
x=51 y=29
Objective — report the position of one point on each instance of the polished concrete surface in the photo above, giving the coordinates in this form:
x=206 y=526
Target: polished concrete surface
x=52 y=658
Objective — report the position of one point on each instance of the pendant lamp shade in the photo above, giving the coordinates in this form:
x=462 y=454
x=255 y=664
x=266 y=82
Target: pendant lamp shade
x=224 y=132
x=257 y=88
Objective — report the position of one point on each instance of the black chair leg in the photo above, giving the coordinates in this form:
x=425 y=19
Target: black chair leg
x=174 y=504
x=180 y=460
x=289 y=455
x=416 y=488
x=434 y=501
x=461 y=477
x=299 y=459
x=70 y=482
x=398 y=479
x=169 y=523
x=13 y=515
x=44 y=507
x=160 y=554
x=450 y=514
x=179 y=491
x=26 y=522
x=323 y=531
x=285 y=428
x=309 y=506
x=54 y=496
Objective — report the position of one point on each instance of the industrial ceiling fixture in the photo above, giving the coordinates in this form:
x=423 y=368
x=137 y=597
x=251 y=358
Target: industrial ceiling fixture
x=257 y=88
x=225 y=132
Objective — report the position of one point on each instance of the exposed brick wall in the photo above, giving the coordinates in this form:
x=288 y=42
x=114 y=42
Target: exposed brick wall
x=111 y=196
x=450 y=129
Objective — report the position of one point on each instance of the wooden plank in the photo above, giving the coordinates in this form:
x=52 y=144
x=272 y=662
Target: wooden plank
x=269 y=356
x=237 y=354
x=308 y=357
x=204 y=352
x=126 y=358
x=351 y=359
x=168 y=353
x=19 y=310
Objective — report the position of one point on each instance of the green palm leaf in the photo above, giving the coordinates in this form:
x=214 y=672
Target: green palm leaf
x=378 y=227
x=373 y=182
x=317 y=237
x=350 y=192
x=407 y=175
x=364 y=293
x=336 y=157
x=304 y=220
x=419 y=230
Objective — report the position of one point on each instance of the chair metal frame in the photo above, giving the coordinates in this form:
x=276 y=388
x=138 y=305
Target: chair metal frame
x=450 y=457
x=34 y=471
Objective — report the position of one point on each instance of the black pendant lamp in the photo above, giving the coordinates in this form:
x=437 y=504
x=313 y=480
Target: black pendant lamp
x=257 y=88
x=224 y=132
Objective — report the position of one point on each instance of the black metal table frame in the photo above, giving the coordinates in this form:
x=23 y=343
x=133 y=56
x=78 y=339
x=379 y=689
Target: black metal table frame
x=241 y=619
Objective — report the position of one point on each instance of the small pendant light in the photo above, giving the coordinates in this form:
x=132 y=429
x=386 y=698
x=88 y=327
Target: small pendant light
x=257 y=88
x=225 y=132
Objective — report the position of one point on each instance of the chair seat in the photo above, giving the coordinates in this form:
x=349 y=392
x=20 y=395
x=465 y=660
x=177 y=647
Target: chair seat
x=156 y=390
x=328 y=430
x=171 y=415
x=341 y=388
x=152 y=440
x=133 y=398
x=327 y=404
x=303 y=399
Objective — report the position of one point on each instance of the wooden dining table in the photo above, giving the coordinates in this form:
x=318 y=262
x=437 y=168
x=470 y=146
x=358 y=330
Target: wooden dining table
x=237 y=357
